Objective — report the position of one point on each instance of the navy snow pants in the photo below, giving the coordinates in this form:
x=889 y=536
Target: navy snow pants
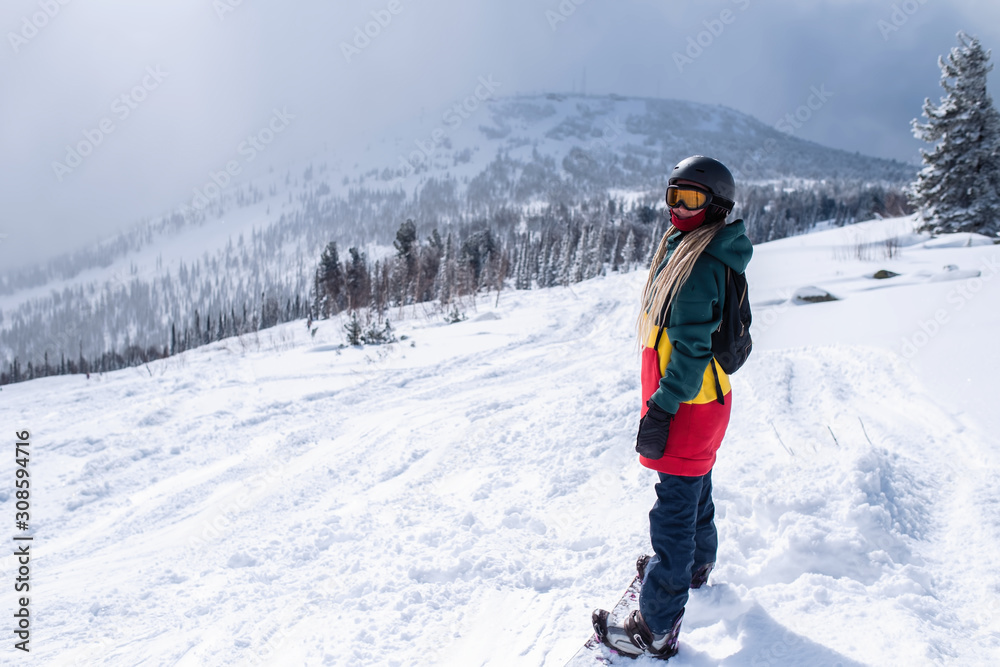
x=682 y=532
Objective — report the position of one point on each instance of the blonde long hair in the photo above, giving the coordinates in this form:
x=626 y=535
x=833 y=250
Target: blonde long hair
x=661 y=289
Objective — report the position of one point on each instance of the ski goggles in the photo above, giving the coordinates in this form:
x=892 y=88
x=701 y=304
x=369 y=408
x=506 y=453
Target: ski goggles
x=695 y=199
x=691 y=198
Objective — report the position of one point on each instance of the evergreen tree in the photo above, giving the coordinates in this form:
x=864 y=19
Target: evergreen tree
x=329 y=282
x=270 y=311
x=445 y=280
x=406 y=250
x=377 y=335
x=428 y=267
x=959 y=187
x=579 y=270
x=629 y=251
x=353 y=329
x=356 y=279
x=406 y=239
x=565 y=264
x=380 y=286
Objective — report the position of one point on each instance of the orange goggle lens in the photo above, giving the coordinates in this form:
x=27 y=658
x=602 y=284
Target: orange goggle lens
x=689 y=198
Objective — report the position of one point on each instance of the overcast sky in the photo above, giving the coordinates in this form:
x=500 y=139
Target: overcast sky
x=167 y=91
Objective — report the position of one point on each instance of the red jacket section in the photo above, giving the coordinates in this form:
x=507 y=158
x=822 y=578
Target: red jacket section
x=696 y=431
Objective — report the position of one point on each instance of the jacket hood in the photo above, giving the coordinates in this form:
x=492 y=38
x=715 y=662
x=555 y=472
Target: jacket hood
x=732 y=247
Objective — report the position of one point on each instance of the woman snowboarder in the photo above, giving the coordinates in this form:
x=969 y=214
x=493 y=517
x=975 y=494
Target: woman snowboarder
x=687 y=401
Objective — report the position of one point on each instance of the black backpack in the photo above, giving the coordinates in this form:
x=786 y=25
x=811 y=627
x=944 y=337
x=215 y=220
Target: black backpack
x=731 y=343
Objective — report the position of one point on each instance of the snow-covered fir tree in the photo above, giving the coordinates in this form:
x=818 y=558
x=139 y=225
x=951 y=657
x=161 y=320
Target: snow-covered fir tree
x=959 y=187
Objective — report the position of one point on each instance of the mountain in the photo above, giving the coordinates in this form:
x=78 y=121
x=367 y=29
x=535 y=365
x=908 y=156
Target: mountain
x=536 y=172
x=604 y=143
x=469 y=494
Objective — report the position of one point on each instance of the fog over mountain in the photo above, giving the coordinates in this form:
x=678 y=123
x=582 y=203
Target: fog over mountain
x=75 y=74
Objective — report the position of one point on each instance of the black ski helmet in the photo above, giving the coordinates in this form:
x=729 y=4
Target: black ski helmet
x=711 y=175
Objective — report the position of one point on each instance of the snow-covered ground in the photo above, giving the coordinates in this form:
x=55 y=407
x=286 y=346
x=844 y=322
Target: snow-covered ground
x=468 y=495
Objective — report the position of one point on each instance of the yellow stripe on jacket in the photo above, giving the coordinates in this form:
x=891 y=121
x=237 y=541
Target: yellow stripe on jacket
x=707 y=394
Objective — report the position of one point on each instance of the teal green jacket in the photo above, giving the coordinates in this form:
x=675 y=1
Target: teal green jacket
x=696 y=312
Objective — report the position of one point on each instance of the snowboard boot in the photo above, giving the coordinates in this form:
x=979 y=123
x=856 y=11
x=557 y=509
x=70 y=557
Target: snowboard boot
x=634 y=638
x=640 y=566
x=700 y=576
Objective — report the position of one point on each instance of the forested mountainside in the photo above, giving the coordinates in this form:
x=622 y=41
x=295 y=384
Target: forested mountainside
x=525 y=191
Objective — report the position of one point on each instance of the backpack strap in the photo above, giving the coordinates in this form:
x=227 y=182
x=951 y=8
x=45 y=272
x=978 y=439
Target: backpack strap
x=718 y=385
x=715 y=371
x=662 y=326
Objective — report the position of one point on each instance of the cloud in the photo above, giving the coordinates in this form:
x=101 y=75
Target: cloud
x=230 y=64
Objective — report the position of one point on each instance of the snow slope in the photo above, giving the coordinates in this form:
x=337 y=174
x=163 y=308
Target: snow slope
x=468 y=495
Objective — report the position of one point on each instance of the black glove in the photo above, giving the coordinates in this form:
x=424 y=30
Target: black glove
x=654 y=428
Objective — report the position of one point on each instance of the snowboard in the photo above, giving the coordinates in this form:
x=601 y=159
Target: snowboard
x=594 y=652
